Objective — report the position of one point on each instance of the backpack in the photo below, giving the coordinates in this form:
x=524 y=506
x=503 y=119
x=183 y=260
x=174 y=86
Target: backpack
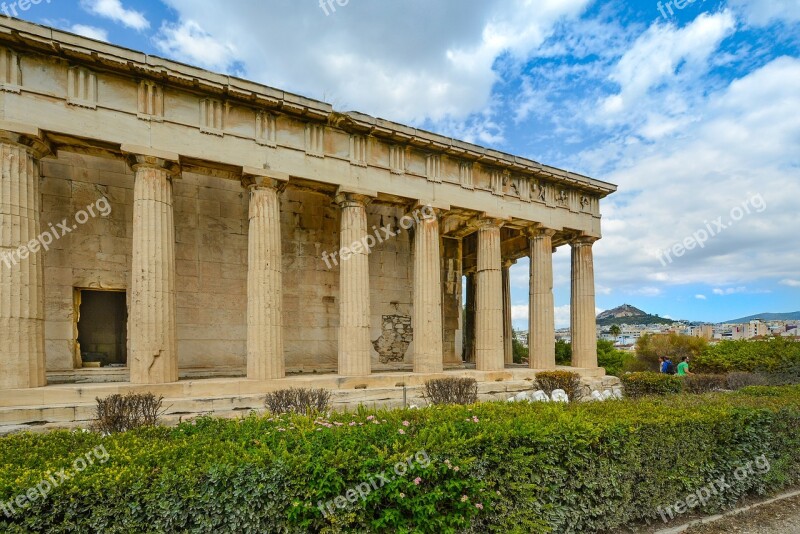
x=670 y=368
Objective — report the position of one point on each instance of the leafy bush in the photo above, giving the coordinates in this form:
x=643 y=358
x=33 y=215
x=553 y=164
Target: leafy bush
x=768 y=356
x=493 y=467
x=739 y=380
x=698 y=383
x=119 y=413
x=298 y=400
x=644 y=384
x=612 y=360
x=785 y=374
x=570 y=382
x=452 y=390
x=650 y=346
x=563 y=352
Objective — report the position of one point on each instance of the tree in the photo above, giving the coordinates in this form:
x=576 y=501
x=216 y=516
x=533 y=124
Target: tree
x=615 y=331
x=519 y=349
x=650 y=346
x=563 y=352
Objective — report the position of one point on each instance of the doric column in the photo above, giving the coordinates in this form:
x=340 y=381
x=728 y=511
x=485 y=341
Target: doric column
x=541 y=320
x=22 y=358
x=489 y=349
x=583 y=326
x=508 y=333
x=151 y=327
x=354 y=343
x=265 y=358
x=427 y=319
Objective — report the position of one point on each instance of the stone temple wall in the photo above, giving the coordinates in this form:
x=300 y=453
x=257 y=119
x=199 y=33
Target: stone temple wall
x=211 y=228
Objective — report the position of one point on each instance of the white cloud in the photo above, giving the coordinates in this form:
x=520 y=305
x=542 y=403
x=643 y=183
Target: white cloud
x=700 y=297
x=664 y=54
x=407 y=61
x=114 y=10
x=764 y=12
x=90 y=31
x=187 y=41
x=791 y=283
x=729 y=290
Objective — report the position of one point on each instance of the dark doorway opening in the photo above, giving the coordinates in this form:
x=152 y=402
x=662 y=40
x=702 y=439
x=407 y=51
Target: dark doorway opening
x=103 y=328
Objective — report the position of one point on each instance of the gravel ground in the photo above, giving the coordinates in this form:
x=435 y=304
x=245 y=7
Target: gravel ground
x=781 y=517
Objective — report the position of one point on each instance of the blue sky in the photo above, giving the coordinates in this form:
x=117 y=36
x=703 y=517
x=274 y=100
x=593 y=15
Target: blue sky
x=695 y=113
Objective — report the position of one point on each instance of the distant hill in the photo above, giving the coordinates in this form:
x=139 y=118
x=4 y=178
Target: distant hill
x=791 y=316
x=627 y=314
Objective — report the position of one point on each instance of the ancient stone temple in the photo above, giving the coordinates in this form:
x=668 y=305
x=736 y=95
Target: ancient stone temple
x=161 y=222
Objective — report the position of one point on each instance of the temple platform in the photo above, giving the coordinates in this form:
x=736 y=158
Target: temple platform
x=73 y=405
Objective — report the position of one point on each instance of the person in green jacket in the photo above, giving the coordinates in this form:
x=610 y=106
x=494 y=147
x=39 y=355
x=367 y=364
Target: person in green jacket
x=683 y=367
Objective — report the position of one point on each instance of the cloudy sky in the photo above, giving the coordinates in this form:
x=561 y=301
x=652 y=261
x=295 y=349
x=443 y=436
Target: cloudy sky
x=693 y=111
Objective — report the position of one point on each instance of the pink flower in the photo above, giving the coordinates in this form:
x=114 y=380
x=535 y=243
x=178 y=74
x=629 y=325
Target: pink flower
x=406 y=423
x=475 y=419
x=456 y=468
x=417 y=481
x=370 y=417
x=464 y=498
x=479 y=506
x=352 y=423
x=402 y=431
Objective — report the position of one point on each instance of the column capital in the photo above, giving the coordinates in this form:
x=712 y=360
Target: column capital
x=583 y=240
x=352 y=200
x=252 y=183
x=537 y=231
x=485 y=222
x=253 y=178
x=151 y=158
x=28 y=137
x=508 y=263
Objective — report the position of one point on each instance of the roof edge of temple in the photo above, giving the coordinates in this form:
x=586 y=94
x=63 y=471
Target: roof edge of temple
x=44 y=39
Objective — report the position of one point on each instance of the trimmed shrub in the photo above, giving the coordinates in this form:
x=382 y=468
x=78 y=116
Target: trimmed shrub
x=739 y=380
x=646 y=383
x=491 y=467
x=768 y=356
x=297 y=400
x=697 y=383
x=119 y=413
x=570 y=382
x=451 y=390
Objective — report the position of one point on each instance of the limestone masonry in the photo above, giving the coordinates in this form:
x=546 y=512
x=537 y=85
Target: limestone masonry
x=227 y=199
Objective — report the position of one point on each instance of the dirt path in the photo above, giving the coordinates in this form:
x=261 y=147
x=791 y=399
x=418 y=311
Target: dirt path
x=781 y=517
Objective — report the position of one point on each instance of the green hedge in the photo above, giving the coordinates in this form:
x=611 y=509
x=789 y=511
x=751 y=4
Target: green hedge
x=770 y=356
x=494 y=467
x=646 y=383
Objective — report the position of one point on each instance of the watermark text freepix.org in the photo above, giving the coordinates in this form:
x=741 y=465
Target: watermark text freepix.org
x=55 y=232
x=376 y=481
x=328 y=5
x=12 y=9
x=41 y=490
x=679 y=4
x=712 y=229
x=366 y=243
x=759 y=466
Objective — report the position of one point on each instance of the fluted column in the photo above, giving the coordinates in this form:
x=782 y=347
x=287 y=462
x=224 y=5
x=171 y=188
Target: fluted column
x=265 y=358
x=22 y=358
x=489 y=349
x=541 y=320
x=427 y=319
x=153 y=354
x=508 y=333
x=354 y=342
x=583 y=325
